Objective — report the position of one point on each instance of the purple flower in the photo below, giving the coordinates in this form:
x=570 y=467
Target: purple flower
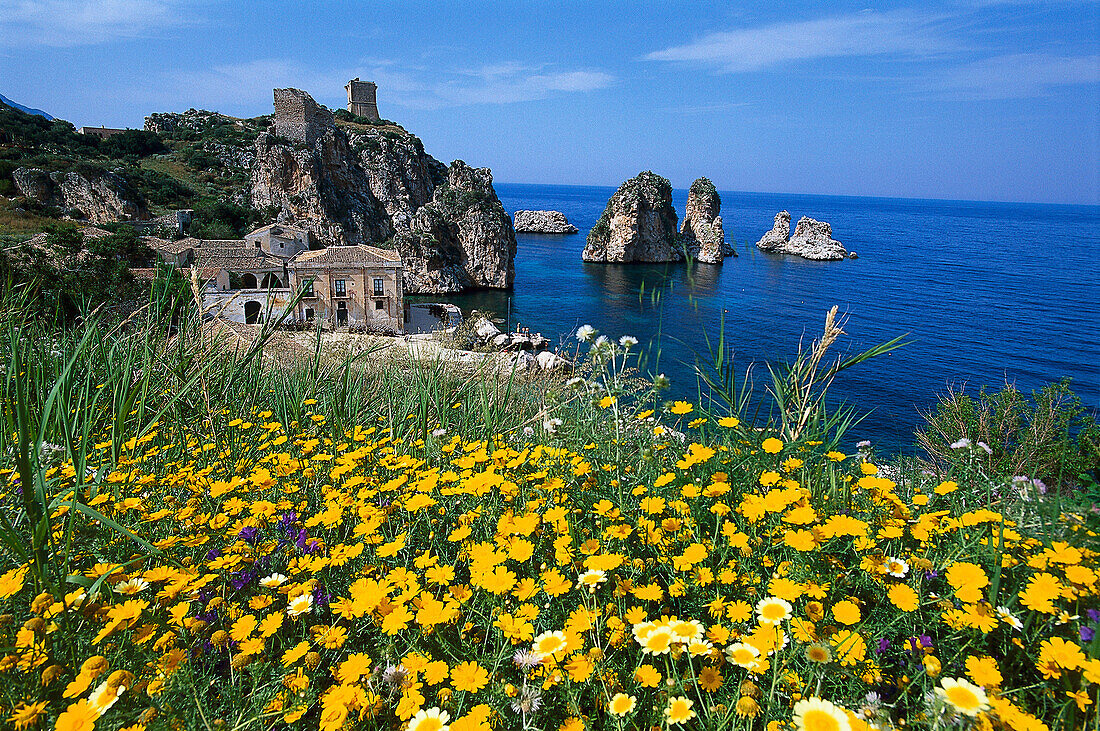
x=301 y=542
x=213 y=553
x=1094 y=614
x=1087 y=633
x=249 y=534
x=883 y=645
x=241 y=579
x=320 y=596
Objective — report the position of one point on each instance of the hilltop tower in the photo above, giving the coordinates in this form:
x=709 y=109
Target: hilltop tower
x=362 y=99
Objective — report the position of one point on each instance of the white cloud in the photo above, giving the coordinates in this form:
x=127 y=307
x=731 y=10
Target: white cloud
x=866 y=33
x=63 y=23
x=1018 y=76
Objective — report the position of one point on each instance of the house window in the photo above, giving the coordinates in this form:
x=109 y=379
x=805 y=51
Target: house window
x=341 y=288
x=307 y=289
x=379 y=305
x=379 y=287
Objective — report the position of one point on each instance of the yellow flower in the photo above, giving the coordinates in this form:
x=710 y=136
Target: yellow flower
x=771 y=445
x=622 y=704
x=647 y=676
x=963 y=696
x=846 y=612
x=968 y=580
x=26 y=715
x=80 y=716
x=984 y=671
x=710 y=679
x=904 y=597
x=680 y=408
x=679 y=710
x=729 y=422
x=469 y=676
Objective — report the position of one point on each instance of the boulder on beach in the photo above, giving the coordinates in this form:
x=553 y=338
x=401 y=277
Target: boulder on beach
x=812 y=239
x=543 y=222
x=639 y=224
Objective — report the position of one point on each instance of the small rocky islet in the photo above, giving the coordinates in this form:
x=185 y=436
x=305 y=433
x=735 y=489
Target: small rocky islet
x=543 y=222
x=639 y=224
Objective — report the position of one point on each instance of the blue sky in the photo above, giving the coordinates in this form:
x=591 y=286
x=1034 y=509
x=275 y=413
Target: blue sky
x=979 y=100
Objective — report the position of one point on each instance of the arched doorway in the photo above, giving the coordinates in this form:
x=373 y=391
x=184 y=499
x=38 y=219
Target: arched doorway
x=342 y=313
x=248 y=281
x=270 y=280
x=252 y=312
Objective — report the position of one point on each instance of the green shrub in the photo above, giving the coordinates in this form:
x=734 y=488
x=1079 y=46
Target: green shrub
x=1052 y=436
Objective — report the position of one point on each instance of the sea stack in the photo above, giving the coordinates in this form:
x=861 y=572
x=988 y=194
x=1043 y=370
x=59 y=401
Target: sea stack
x=811 y=240
x=638 y=224
x=701 y=230
x=543 y=222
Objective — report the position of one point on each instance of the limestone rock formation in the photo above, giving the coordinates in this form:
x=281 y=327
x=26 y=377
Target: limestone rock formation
x=358 y=184
x=814 y=240
x=701 y=230
x=98 y=196
x=543 y=222
x=776 y=239
x=638 y=224
x=811 y=239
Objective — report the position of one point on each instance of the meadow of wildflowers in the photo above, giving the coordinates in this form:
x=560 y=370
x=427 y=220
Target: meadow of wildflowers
x=258 y=554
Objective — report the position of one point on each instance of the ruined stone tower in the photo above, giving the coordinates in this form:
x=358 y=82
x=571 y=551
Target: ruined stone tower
x=298 y=117
x=362 y=99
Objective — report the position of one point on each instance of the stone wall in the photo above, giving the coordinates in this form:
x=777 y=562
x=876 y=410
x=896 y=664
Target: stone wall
x=299 y=118
x=238 y=305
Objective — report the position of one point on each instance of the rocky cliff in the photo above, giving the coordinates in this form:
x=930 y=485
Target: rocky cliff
x=811 y=239
x=701 y=230
x=99 y=196
x=368 y=184
x=543 y=222
x=638 y=224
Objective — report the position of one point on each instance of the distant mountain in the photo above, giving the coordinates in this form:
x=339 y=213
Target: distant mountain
x=22 y=108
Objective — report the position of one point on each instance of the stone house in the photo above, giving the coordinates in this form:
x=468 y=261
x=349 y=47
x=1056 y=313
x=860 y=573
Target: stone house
x=255 y=278
x=350 y=285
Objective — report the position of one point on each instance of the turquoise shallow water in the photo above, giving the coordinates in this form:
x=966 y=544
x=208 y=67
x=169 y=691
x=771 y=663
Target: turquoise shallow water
x=988 y=292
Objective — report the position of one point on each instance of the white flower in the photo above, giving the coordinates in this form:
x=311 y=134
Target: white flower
x=551 y=425
x=985 y=448
x=103 y=697
x=302 y=604
x=574 y=382
x=585 y=333
x=820 y=713
x=528 y=431
x=963 y=443
x=432 y=718
x=896 y=567
x=628 y=341
x=133 y=586
x=591 y=579
x=270 y=582
x=437 y=433
x=1010 y=618
x=660 y=381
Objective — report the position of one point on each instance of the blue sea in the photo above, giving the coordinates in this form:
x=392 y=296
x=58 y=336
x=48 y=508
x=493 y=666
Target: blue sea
x=986 y=293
